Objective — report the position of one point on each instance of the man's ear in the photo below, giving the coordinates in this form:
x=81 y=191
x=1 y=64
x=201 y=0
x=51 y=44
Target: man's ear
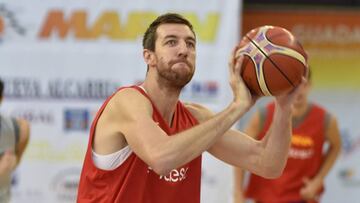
x=149 y=57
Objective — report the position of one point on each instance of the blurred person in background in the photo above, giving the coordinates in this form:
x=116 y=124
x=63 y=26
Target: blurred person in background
x=14 y=136
x=309 y=161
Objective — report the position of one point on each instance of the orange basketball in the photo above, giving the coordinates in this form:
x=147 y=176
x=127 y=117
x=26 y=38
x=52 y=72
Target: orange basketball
x=274 y=61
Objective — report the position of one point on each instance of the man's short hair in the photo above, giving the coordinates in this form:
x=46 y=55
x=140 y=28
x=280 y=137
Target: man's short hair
x=168 y=18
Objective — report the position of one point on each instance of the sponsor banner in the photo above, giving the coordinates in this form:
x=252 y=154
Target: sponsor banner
x=60 y=60
x=332 y=39
x=58 y=184
x=106 y=41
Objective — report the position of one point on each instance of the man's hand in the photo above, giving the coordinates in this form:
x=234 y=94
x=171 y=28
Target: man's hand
x=242 y=95
x=311 y=188
x=7 y=163
x=286 y=100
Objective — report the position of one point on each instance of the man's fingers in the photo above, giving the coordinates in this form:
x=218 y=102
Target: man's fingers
x=238 y=65
x=306 y=180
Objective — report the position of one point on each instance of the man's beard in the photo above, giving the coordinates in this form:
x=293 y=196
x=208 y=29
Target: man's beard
x=175 y=79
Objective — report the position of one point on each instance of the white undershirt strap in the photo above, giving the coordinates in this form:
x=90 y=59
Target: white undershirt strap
x=111 y=161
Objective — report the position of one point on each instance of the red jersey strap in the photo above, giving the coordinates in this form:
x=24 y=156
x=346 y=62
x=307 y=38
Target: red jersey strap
x=142 y=91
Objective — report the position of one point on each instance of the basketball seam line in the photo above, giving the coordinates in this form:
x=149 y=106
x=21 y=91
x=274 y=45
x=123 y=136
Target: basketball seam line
x=243 y=69
x=270 y=60
x=271 y=93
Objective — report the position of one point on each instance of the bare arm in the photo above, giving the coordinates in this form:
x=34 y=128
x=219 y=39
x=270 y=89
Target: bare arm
x=7 y=163
x=266 y=157
x=333 y=137
x=252 y=129
x=239 y=190
x=133 y=114
x=244 y=152
x=24 y=130
x=312 y=187
x=10 y=159
x=127 y=120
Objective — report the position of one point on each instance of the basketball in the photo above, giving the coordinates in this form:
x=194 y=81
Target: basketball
x=274 y=61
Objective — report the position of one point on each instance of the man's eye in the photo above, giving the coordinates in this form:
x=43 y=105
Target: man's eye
x=190 y=44
x=171 y=42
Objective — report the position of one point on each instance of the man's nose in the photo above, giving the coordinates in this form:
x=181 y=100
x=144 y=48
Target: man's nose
x=183 y=50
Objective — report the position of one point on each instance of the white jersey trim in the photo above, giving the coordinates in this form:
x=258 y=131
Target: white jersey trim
x=111 y=161
x=141 y=87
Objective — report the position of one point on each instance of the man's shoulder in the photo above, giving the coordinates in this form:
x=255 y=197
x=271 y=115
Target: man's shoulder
x=127 y=100
x=200 y=112
x=127 y=94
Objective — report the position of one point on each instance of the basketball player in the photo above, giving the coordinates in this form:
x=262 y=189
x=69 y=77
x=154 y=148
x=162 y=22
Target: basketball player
x=307 y=166
x=14 y=136
x=145 y=145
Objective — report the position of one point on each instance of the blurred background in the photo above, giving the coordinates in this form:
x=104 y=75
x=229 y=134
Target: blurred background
x=60 y=60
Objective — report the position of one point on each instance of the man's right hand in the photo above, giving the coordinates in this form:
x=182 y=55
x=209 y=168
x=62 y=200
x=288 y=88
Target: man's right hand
x=242 y=95
x=287 y=100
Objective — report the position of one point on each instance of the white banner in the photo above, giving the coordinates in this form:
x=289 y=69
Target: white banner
x=61 y=59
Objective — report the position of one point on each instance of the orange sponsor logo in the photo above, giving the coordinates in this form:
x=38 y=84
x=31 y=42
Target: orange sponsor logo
x=112 y=25
x=302 y=141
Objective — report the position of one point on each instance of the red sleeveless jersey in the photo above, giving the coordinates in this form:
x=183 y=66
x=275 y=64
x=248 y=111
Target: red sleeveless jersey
x=134 y=181
x=304 y=160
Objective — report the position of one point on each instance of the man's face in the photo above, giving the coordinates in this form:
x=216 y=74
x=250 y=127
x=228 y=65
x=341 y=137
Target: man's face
x=302 y=97
x=175 y=54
